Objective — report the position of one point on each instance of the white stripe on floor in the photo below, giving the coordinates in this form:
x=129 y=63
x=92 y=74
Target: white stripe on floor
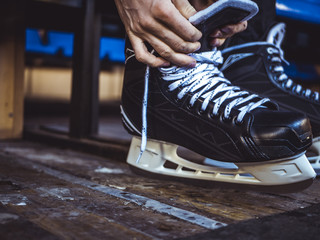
x=133 y=198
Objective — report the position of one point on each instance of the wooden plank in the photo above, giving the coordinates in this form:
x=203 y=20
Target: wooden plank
x=11 y=68
x=72 y=211
x=13 y=226
x=53 y=208
x=224 y=205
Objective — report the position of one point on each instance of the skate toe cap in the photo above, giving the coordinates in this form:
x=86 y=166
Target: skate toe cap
x=281 y=134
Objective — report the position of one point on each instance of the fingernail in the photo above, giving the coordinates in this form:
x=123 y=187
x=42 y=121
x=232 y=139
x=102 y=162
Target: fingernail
x=199 y=35
x=192 y=65
x=217 y=34
x=166 y=64
x=225 y=30
x=198 y=47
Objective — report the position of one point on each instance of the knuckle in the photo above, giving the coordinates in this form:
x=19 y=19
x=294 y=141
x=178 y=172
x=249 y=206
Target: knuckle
x=139 y=56
x=188 y=10
x=135 y=27
x=194 y=36
x=166 y=14
x=185 y=47
x=161 y=12
x=165 y=53
x=141 y=25
x=144 y=22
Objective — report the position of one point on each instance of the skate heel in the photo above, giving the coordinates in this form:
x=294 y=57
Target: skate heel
x=314 y=152
x=161 y=159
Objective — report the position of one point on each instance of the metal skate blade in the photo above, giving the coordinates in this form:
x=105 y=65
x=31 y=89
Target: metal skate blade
x=313 y=155
x=161 y=160
x=214 y=163
x=197 y=158
x=279 y=189
x=314 y=160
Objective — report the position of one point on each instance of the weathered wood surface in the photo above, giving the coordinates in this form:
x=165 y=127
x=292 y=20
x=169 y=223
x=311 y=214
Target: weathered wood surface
x=63 y=194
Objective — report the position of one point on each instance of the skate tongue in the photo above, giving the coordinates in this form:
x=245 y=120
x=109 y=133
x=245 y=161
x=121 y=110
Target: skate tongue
x=276 y=34
x=211 y=57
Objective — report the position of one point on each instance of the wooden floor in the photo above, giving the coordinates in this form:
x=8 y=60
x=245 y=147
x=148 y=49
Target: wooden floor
x=48 y=192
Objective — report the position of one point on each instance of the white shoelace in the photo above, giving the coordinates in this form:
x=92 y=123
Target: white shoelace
x=206 y=82
x=277 y=58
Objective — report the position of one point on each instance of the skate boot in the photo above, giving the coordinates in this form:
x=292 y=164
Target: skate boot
x=198 y=109
x=257 y=67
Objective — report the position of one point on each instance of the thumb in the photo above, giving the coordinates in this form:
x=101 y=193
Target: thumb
x=185 y=8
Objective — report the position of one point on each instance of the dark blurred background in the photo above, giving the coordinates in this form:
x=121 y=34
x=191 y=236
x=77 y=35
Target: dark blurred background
x=60 y=42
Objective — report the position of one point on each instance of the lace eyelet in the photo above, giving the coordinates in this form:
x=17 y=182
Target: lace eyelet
x=236 y=122
x=271 y=50
x=285 y=86
x=213 y=116
x=189 y=106
x=201 y=112
x=271 y=69
x=177 y=100
x=224 y=119
x=297 y=93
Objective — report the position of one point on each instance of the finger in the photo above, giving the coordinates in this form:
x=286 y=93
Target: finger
x=229 y=30
x=143 y=55
x=216 y=34
x=185 y=8
x=232 y=29
x=200 y=5
x=168 y=54
x=170 y=38
x=217 y=42
x=169 y=15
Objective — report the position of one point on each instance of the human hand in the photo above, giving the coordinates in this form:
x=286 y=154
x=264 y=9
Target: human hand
x=164 y=25
x=219 y=36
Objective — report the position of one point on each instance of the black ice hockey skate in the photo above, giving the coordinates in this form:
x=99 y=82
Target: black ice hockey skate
x=257 y=67
x=200 y=110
